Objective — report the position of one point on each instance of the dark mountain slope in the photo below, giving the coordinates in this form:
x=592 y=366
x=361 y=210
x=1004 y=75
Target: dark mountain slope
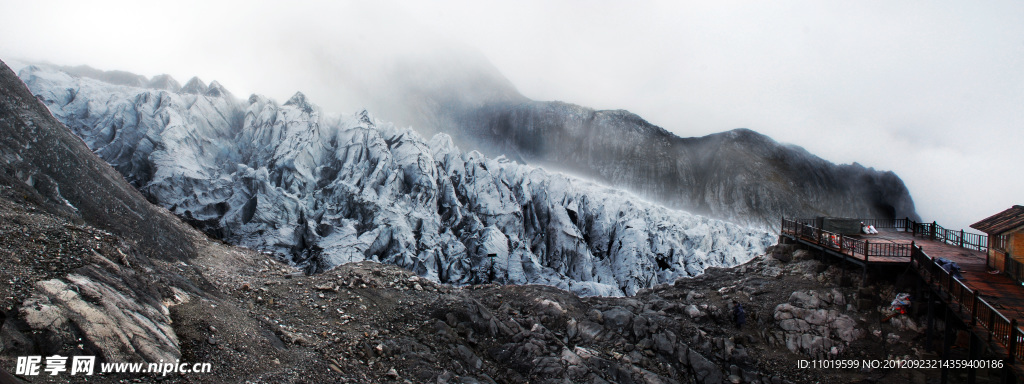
x=739 y=175
x=90 y=268
x=40 y=152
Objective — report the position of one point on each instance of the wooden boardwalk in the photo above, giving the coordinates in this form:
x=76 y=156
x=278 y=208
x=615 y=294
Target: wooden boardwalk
x=989 y=303
x=934 y=249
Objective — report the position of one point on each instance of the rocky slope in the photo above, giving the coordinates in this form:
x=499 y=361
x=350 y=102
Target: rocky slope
x=256 y=320
x=78 y=245
x=322 y=190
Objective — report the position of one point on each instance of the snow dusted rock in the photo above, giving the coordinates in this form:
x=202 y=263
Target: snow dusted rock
x=321 y=190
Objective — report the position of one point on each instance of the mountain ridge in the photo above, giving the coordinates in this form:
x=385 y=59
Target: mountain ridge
x=717 y=174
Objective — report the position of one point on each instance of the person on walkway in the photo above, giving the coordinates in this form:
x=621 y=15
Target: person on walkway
x=738 y=314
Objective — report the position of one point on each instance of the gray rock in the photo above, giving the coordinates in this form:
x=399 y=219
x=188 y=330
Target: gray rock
x=470 y=358
x=642 y=327
x=665 y=342
x=590 y=331
x=122 y=323
x=704 y=370
x=617 y=318
x=805 y=299
x=692 y=311
x=784 y=257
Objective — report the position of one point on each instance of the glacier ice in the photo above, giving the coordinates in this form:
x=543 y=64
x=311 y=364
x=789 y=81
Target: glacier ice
x=323 y=189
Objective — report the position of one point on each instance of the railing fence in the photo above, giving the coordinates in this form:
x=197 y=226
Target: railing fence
x=804 y=229
x=960 y=238
x=967 y=302
x=963 y=299
x=931 y=231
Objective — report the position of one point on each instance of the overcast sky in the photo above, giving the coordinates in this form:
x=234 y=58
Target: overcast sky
x=932 y=90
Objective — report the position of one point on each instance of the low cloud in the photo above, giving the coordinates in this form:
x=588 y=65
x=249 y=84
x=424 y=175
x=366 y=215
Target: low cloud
x=931 y=91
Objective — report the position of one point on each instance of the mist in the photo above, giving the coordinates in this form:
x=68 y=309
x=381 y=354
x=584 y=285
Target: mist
x=929 y=90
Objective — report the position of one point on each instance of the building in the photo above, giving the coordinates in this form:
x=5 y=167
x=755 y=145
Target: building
x=1005 y=236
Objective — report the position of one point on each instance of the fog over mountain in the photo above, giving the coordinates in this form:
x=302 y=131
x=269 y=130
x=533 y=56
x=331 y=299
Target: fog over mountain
x=739 y=175
x=929 y=91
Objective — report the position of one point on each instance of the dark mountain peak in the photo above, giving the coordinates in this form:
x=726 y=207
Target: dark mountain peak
x=743 y=137
x=740 y=175
x=194 y=86
x=164 y=82
x=298 y=100
x=747 y=134
x=216 y=90
x=365 y=118
x=257 y=98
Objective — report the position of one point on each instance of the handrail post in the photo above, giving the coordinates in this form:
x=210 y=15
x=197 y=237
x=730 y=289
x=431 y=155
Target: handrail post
x=867 y=244
x=974 y=309
x=991 y=323
x=933 y=234
x=1013 y=340
x=949 y=286
x=841 y=241
x=961 y=238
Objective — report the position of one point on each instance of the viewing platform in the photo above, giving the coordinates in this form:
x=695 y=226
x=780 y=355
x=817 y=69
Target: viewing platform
x=986 y=301
x=892 y=245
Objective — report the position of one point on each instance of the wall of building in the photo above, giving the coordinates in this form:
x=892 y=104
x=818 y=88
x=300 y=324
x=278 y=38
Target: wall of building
x=1015 y=245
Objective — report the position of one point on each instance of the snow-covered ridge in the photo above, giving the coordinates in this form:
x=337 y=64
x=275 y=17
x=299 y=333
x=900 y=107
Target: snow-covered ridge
x=323 y=189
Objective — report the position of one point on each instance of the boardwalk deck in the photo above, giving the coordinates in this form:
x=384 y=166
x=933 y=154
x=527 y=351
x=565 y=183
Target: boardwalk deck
x=988 y=302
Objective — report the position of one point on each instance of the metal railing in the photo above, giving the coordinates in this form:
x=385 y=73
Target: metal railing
x=960 y=238
x=966 y=301
x=888 y=223
x=931 y=231
x=962 y=298
x=843 y=244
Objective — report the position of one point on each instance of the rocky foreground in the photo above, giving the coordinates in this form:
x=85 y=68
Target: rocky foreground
x=369 y=322
x=78 y=290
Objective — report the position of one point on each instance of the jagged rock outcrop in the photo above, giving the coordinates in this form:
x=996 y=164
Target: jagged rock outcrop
x=814 y=323
x=323 y=190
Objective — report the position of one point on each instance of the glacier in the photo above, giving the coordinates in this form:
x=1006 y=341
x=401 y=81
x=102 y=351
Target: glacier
x=321 y=189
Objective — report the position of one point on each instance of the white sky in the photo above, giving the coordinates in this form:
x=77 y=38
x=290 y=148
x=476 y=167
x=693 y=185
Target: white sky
x=933 y=90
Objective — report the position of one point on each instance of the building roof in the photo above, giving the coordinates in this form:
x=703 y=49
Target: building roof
x=1002 y=221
